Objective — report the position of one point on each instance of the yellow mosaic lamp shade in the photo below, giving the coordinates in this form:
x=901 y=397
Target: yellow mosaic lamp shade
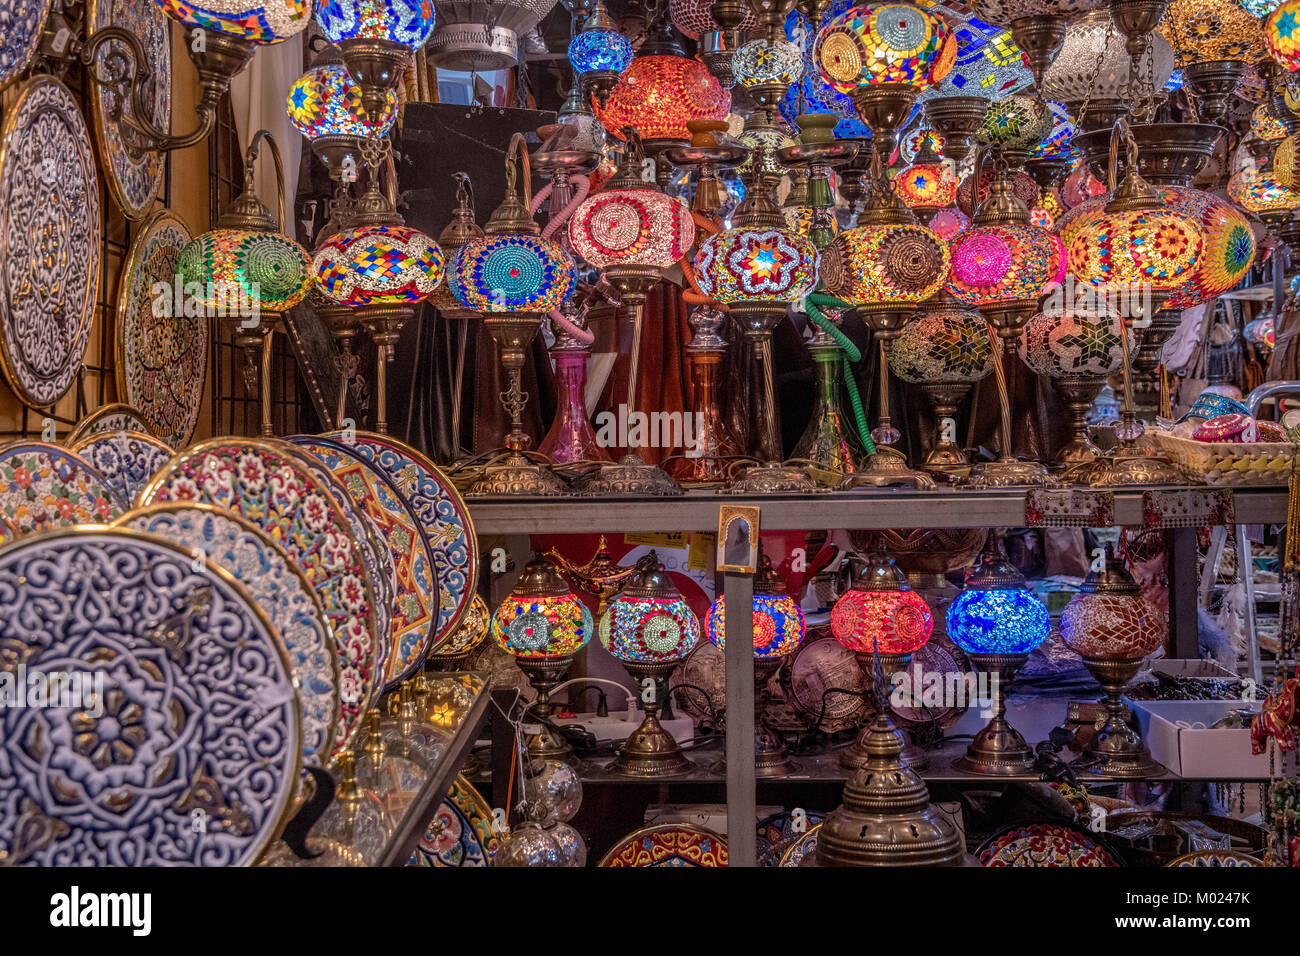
x=884 y=43
x=1202 y=31
x=1140 y=247
x=903 y=263
x=1257 y=192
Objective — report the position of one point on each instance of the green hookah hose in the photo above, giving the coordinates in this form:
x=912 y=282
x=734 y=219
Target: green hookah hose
x=850 y=355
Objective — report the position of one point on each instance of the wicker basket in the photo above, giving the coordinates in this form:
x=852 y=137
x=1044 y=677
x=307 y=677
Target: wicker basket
x=1231 y=463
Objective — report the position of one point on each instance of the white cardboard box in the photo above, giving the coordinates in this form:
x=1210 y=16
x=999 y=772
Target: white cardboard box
x=1178 y=735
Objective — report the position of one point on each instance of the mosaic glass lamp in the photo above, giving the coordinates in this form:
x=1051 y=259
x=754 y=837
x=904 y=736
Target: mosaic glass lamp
x=1113 y=627
x=599 y=54
x=1037 y=26
x=542 y=624
x=650 y=628
x=1213 y=41
x=260 y=23
x=779 y=627
x=1015 y=126
x=377 y=38
x=324 y=104
x=1282 y=34
x=997 y=621
x=657 y=95
x=927 y=184
x=881 y=617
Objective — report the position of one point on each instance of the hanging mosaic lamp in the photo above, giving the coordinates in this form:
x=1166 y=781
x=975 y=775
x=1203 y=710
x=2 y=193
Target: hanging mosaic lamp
x=376 y=38
x=599 y=54
x=1282 y=34
x=657 y=95
x=324 y=104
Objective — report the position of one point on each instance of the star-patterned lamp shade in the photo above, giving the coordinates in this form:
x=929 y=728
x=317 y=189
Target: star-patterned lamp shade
x=926 y=185
x=994 y=264
x=756 y=265
x=1109 y=619
x=1282 y=34
x=910 y=145
x=511 y=273
x=271 y=21
x=1072 y=345
x=1257 y=192
x=541 y=617
x=884 y=43
x=880 y=612
x=1155 y=248
x=949 y=223
x=1265 y=125
x=1017 y=123
x=995 y=612
x=594 y=50
x=376 y=264
x=408 y=22
x=694 y=18
x=778 y=622
x=945 y=347
x=648 y=621
x=659 y=95
x=631 y=227
x=906 y=263
x=325 y=101
x=234 y=266
x=766 y=61
x=1201 y=31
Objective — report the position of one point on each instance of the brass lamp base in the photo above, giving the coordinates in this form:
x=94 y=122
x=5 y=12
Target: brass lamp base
x=376 y=66
x=957 y=118
x=998 y=750
x=1117 y=749
x=773 y=478
x=630 y=476
x=1214 y=83
x=858 y=753
x=1041 y=38
x=945 y=456
x=1078 y=393
x=771 y=759
x=1009 y=473
x=887 y=468
x=884 y=107
x=543 y=674
x=651 y=751
x=517 y=476
x=1128 y=466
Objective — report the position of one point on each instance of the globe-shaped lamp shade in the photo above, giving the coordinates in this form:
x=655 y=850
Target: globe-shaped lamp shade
x=999 y=621
x=946 y=347
x=1060 y=139
x=1265 y=125
x=766 y=61
x=325 y=101
x=1201 y=31
x=910 y=145
x=1261 y=8
x=989 y=63
x=995 y=264
x=1023 y=188
x=903 y=264
x=1016 y=123
x=926 y=185
x=631 y=227
x=1112 y=626
x=406 y=22
x=511 y=273
x=779 y=625
x=659 y=95
x=1261 y=332
x=756 y=265
x=1072 y=345
x=649 y=629
x=600 y=50
x=378 y=264
x=1286 y=161
x=884 y=43
x=1076 y=75
x=1153 y=248
x=1282 y=34
x=271 y=21
x=542 y=626
x=949 y=223
x=234 y=266
x=694 y=18
x=1257 y=192
x=1005 y=12
x=891 y=622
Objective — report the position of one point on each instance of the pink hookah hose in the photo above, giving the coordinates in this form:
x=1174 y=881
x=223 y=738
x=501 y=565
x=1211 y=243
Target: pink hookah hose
x=583 y=185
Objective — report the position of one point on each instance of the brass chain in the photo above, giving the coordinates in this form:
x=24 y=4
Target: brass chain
x=1096 y=70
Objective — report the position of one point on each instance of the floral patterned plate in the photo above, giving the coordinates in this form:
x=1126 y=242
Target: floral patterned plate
x=801 y=848
x=109 y=418
x=1046 y=844
x=443 y=517
x=414 y=608
x=126 y=460
x=1215 y=858
x=282 y=593
x=778 y=833
x=669 y=844
x=45 y=486
x=189 y=752
x=267 y=484
x=460 y=833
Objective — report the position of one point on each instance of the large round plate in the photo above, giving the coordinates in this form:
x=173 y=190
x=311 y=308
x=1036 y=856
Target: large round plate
x=1045 y=844
x=460 y=833
x=705 y=669
x=126 y=460
x=776 y=834
x=817 y=667
x=415 y=608
x=46 y=486
x=669 y=844
x=49 y=241
x=801 y=847
x=941 y=657
x=443 y=517
x=267 y=484
x=21 y=23
x=134 y=176
x=1215 y=858
x=162 y=360
x=280 y=590
x=196 y=723
x=117 y=417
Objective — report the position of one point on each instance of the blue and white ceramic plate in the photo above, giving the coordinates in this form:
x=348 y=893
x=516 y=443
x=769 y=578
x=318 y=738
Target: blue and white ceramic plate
x=126 y=460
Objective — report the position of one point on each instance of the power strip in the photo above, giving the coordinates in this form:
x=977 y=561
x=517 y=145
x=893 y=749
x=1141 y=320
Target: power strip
x=617 y=727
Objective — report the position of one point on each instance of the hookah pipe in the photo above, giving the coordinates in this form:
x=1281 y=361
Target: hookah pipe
x=582 y=186
x=851 y=355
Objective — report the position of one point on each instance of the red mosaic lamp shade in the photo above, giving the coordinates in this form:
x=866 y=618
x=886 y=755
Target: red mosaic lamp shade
x=694 y=18
x=926 y=185
x=881 y=613
x=1109 y=619
x=640 y=227
x=658 y=95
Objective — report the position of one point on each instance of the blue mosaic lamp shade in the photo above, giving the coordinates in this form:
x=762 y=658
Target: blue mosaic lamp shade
x=998 y=621
x=408 y=22
x=600 y=50
x=779 y=624
x=511 y=273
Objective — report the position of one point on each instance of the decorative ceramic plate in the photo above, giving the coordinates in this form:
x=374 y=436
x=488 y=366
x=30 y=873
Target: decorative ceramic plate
x=1215 y=858
x=46 y=486
x=280 y=590
x=815 y=668
x=126 y=460
x=443 y=517
x=776 y=834
x=414 y=608
x=109 y=418
x=669 y=844
x=189 y=753
x=1046 y=844
x=937 y=656
x=133 y=175
x=801 y=848
x=460 y=833
x=706 y=668
x=21 y=23
x=469 y=631
x=49 y=241
x=266 y=483
x=162 y=360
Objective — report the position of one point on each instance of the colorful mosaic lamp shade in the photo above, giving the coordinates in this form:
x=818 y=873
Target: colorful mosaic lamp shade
x=694 y=17
x=881 y=613
x=779 y=624
x=1282 y=34
x=997 y=264
x=914 y=143
x=943 y=347
x=949 y=223
x=811 y=95
x=658 y=95
x=926 y=185
x=262 y=23
x=1015 y=124
x=995 y=612
x=892 y=264
x=1155 y=248
x=405 y=22
x=1109 y=619
x=1060 y=140
x=637 y=227
x=234 y=266
x=1265 y=125
x=764 y=61
x=325 y=101
x=1203 y=31
x=1257 y=193
x=649 y=622
x=511 y=273
x=600 y=51
x=1260 y=8
x=884 y=43
x=989 y=63
x=756 y=265
x=541 y=617
x=378 y=264
x=1072 y=345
